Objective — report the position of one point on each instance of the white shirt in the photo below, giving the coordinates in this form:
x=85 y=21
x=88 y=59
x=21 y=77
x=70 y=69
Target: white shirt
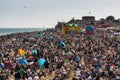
x=78 y=72
x=64 y=71
x=30 y=78
x=36 y=78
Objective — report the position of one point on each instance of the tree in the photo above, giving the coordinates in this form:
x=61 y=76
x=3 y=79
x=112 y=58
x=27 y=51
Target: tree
x=118 y=19
x=102 y=19
x=110 y=18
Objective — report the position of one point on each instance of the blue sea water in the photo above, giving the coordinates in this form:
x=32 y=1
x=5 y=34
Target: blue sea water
x=4 y=31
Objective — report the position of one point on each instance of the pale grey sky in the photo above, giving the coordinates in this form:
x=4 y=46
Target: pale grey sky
x=36 y=13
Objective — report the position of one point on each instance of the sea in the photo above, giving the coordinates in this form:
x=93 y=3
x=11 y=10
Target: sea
x=4 y=31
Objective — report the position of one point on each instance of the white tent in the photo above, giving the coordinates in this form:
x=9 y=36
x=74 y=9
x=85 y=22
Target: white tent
x=117 y=29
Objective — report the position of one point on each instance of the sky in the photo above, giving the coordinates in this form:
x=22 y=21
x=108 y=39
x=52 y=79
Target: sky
x=46 y=13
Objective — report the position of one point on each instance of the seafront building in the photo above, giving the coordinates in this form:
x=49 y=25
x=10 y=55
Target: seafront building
x=108 y=23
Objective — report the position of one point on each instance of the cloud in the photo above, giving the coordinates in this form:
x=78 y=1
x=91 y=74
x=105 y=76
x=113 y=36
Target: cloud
x=48 y=12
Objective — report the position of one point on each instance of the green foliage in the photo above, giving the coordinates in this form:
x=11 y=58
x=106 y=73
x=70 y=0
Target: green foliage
x=110 y=18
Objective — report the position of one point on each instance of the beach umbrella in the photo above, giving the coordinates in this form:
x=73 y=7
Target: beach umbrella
x=62 y=43
x=34 y=52
x=97 y=66
x=41 y=62
x=21 y=52
x=21 y=71
x=22 y=61
x=1 y=65
x=40 y=35
x=69 y=53
x=89 y=28
x=77 y=59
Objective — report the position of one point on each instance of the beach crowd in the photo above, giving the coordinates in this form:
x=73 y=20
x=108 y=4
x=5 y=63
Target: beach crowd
x=66 y=57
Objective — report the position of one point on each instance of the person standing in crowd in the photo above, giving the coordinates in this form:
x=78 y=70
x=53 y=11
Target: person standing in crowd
x=70 y=56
